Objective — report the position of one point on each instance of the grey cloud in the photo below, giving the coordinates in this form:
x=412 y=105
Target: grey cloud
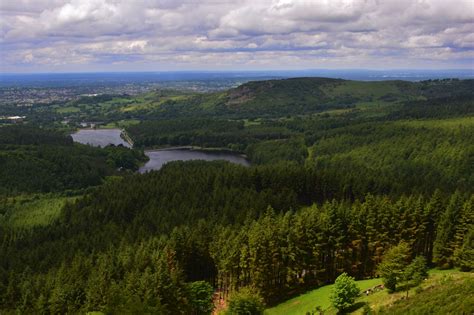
x=299 y=33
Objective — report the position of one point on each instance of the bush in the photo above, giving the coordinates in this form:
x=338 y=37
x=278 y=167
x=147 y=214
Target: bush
x=344 y=292
x=245 y=302
x=200 y=297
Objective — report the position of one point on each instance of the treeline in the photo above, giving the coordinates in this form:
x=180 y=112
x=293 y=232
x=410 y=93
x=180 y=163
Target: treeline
x=356 y=154
x=436 y=108
x=135 y=245
x=38 y=160
x=446 y=88
x=230 y=134
x=31 y=135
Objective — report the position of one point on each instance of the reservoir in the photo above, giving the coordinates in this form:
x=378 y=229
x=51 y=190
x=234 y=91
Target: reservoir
x=160 y=157
x=99 y=137
x=104 y=137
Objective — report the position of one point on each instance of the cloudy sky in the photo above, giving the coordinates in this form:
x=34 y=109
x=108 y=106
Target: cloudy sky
x=154 y=35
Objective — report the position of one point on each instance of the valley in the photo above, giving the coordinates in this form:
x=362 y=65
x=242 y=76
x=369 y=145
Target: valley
x=264 y=193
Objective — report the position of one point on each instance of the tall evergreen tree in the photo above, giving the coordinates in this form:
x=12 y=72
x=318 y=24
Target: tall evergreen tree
x=443 y=247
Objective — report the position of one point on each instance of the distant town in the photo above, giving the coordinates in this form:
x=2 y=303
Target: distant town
x=25 y=96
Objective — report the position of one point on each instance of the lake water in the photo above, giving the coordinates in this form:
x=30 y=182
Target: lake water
x=104 y=137
x=99 y=137
x=160 y=157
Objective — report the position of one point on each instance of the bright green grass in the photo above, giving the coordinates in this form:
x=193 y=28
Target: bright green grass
x=152 y=104
x=36 y=210
x=318 y=297
x=121 y=123
x=437 y=279
x=138 y=106
x=112 y=125
x=255 y=122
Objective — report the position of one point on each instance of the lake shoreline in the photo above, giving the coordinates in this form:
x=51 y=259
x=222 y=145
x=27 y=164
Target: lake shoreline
x=100 y=137
x=198 y=149
x=126 y=137
x=158 y=156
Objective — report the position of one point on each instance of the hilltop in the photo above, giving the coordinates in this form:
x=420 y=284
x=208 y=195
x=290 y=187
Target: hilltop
x=297 y=96
x=274 y=98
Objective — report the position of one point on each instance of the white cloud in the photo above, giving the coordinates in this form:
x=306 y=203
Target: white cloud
x=238 y=33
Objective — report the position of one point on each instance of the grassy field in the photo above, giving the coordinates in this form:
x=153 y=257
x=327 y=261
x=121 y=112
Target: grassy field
x=33 y=210
x=309 y=301
x=121 y=123
x=440 y=283
x=446 y=292
x=440 y=280
x=151 y=102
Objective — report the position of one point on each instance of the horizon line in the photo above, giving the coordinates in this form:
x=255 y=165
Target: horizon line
x=242 y=71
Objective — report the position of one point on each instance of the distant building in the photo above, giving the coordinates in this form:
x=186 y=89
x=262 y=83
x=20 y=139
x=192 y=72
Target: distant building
x=91 y=124
x=13 y=119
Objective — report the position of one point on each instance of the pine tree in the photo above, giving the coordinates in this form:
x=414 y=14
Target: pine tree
x=443 y=247
x=393 y=264
x=432 y=212
x=464 y=256
x=466 y=224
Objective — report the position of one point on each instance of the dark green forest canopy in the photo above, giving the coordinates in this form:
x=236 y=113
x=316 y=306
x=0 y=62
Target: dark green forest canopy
x=212 y=221
x=39 y=160
x=30 y=135
x=342 y=171
x=416 y=146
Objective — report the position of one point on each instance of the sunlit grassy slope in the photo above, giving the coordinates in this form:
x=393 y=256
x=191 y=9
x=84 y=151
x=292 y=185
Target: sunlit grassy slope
x=444 y=292
x=309 y=301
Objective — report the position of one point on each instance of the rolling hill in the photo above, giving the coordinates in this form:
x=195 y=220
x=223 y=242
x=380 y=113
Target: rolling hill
x=296 y=96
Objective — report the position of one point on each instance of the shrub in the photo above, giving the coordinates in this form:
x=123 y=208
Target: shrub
x=246 y=301
x=200 y=297
x=344 y=292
